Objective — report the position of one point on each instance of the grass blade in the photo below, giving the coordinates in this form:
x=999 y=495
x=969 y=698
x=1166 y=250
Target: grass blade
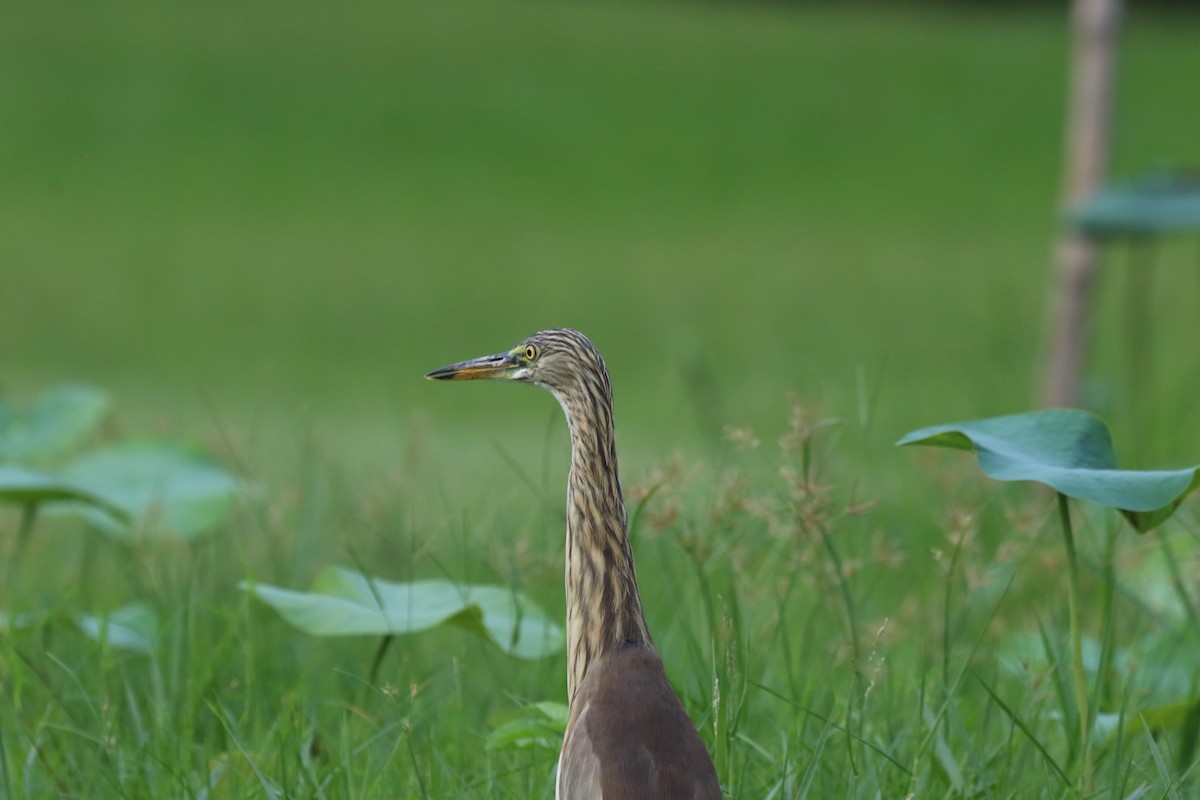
x=1025 y=729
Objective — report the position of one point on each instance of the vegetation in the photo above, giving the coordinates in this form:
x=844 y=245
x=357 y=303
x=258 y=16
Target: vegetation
x=257 y=228
x=1071 y=452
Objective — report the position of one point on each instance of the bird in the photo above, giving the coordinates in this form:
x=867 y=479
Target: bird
x=628 y=736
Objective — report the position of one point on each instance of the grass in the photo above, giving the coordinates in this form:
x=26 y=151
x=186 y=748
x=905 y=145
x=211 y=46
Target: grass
x=879 y=671
x=258 y=227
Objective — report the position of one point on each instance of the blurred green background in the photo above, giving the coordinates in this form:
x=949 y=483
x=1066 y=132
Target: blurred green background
x=273 y=219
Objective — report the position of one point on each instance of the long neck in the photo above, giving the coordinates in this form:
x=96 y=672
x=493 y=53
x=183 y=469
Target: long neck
x=603 y=607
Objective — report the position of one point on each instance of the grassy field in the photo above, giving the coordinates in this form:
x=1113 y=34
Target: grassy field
x=257 y=226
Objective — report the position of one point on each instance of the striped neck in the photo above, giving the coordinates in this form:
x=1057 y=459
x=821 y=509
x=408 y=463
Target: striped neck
x=604 y=610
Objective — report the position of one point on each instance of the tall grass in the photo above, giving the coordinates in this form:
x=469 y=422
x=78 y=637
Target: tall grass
x=822 y=646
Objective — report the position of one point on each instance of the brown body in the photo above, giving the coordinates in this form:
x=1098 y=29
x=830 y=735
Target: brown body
x=628 y=737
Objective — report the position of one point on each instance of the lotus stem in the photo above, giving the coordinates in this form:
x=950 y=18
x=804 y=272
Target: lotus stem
x=28 y=517
x=1078 y=676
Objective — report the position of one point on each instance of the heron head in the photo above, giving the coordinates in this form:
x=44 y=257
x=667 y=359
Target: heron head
x=555 y=359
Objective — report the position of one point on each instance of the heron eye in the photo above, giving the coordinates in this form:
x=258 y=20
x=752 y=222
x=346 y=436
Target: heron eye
x=531 y=352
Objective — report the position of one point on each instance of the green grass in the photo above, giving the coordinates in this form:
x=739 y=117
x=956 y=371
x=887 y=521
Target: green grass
x=258 y=226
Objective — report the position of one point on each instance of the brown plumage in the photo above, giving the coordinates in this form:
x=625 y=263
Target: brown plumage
x=628 y=737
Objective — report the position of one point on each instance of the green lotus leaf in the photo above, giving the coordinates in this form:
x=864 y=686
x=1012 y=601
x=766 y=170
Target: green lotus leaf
x=343 y=602
x=27 y=487
x=57 y=422
x=1070 y=451
x=132 y=627
x=166 y=489
x=541 y=726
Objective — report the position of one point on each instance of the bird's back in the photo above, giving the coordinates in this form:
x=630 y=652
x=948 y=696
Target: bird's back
x=628 y=737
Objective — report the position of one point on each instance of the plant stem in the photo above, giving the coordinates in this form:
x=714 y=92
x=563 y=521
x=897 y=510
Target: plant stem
x=848 y=602
x=852 y=631
x=28 y=517
x=1078 y=677
x=7 y=784
x=1177 y=581
x=378 y=659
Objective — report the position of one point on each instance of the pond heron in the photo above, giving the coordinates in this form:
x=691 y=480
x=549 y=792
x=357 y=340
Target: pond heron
x=628 y=737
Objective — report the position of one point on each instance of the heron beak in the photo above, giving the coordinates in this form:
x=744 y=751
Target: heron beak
x=496 y=367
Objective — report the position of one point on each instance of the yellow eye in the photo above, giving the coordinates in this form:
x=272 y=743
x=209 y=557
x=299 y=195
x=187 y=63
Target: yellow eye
x=530 y=353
